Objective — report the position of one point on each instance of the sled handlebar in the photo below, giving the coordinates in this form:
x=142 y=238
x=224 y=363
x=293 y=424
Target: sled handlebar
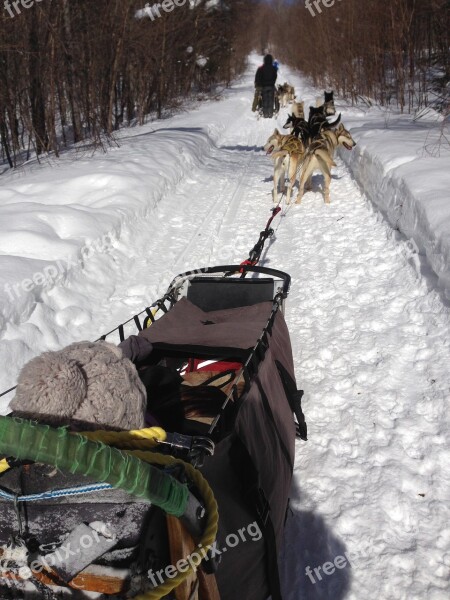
x=28 y=440
x=285 y=277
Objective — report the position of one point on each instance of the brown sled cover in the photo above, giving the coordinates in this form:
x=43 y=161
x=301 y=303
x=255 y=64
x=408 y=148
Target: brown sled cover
x=264 y=428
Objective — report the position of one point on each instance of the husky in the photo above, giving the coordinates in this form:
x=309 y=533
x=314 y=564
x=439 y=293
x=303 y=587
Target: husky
x=328 y=104
x=299 y=127
x=290 y=92
x=286 y=94
x=317 y=120
x=288 y=152
x=282 y=95
x=298 y=110
x=319 y=156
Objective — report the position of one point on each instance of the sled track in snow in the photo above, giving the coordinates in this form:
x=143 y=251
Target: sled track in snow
x=203 y=241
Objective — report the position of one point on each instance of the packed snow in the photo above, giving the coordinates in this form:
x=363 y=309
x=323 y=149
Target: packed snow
x=88 y=241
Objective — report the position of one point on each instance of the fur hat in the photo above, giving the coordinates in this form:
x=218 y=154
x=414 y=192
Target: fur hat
x=86 y=381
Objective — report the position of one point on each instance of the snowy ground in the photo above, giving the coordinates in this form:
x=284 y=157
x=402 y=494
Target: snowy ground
x=98 y=238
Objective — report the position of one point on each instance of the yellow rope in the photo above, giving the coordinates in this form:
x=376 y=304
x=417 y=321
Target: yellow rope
x=137 y=438
x=212 y=523
x=150 y=322
x=148 y=437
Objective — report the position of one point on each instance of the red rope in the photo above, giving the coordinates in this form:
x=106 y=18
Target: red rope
x=263 y=236
x=275 y=211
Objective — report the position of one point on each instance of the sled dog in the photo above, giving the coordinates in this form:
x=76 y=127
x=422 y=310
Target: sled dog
x=298 y=110
x=319 y=156
x=290 y=92
x=286 y=94
x=299 y=127
x=287 y=151
x=282 y=96
x=317 y=120
x=327 y=104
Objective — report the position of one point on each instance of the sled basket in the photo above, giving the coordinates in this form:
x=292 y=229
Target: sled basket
x=220 y=331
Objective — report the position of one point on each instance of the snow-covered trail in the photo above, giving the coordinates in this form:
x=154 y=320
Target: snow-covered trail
x=371 y=345
x=372 y=352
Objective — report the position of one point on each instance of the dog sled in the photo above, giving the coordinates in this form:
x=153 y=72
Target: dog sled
x=266 y=102
x=193 y=505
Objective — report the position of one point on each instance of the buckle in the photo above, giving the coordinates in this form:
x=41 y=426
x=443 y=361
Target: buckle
x=196 y=447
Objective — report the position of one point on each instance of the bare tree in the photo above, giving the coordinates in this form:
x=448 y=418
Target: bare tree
x=386 y=50
x=71 y=70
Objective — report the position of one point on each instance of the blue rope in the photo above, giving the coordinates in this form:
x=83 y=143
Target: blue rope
x=82 y=489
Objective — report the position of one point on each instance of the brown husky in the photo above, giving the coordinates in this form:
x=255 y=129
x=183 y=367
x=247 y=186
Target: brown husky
x=298 y=110
x=288 y=152
x=319 y=156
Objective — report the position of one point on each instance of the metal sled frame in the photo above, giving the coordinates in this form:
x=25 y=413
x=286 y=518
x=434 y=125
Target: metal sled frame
x=225 y=291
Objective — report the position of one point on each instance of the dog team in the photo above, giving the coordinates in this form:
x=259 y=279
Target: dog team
x=285 y=94
x=310 y=146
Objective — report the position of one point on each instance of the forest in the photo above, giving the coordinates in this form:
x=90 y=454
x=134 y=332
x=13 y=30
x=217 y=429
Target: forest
x=79 y=70
x=75 y=70
x=391 y=51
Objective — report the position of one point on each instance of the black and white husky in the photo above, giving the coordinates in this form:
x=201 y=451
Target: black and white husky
x=318 y=122
x=328 y=104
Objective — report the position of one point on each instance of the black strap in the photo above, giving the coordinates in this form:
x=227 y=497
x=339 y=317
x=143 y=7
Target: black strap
x=296 y=405
x=256 y=499
x=138 y=323
x=294 y=397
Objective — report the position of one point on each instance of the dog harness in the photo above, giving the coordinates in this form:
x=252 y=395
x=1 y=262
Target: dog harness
x=292 y=145
x=328 y=140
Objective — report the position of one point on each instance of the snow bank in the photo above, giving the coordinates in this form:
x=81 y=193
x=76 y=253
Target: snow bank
x=60 y=220
x=404 y=171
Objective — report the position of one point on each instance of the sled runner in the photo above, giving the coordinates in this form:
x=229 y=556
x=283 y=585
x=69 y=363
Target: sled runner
x=122 y=514
x=267 y=103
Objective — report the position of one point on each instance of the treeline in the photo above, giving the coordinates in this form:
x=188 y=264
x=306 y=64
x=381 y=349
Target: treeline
x=394 y=51
x=79 y=69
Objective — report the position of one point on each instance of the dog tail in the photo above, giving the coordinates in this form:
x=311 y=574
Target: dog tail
x=325 y=160
x=338 y=120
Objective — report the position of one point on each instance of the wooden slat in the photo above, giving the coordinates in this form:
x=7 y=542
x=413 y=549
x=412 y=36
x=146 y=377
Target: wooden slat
x=208 y=586
x=86 y=581
x=181 y=545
